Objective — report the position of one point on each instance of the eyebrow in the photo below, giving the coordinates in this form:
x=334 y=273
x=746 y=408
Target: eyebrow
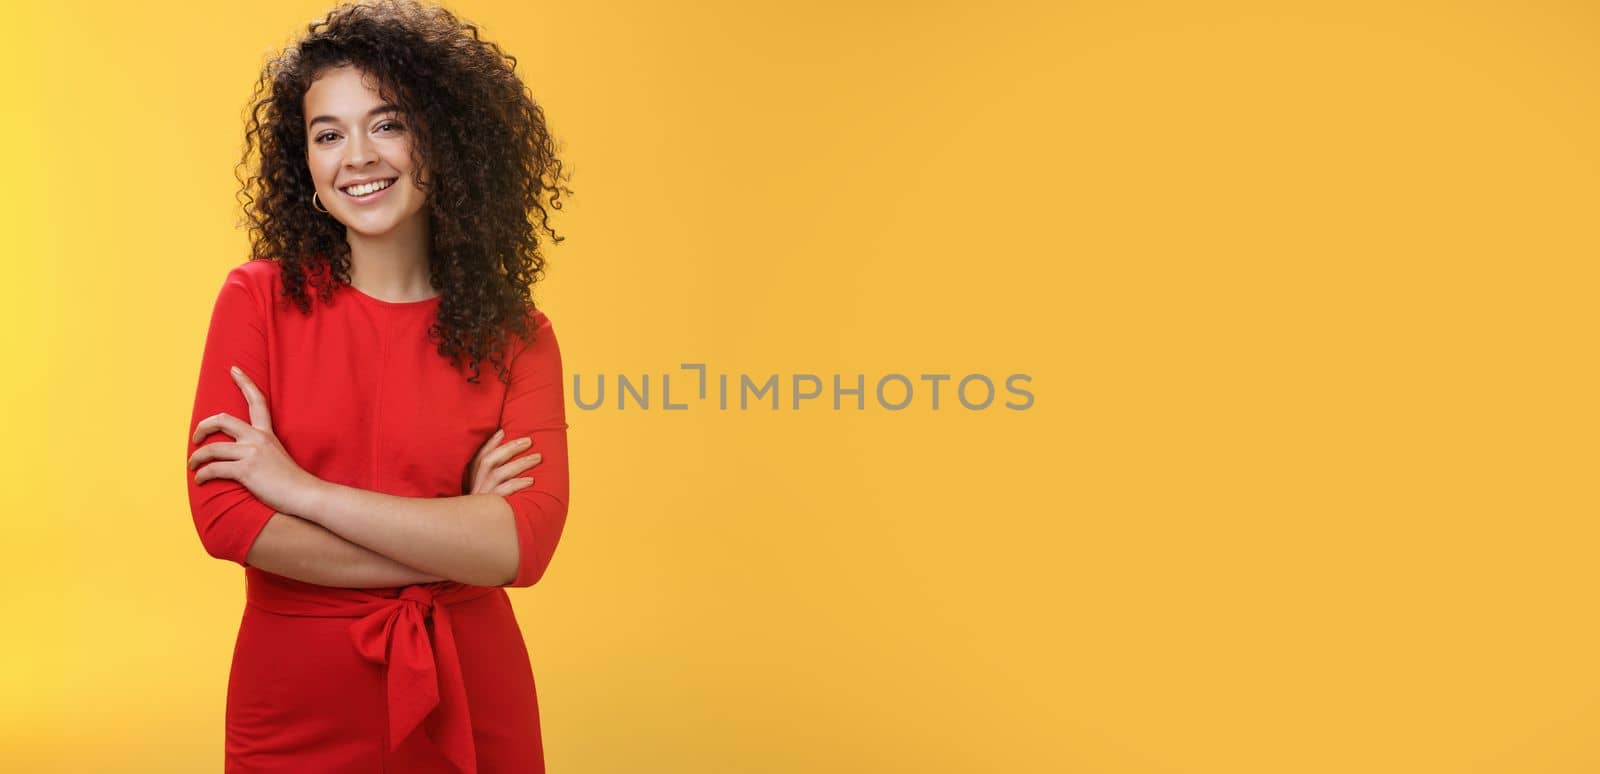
x=384 y=108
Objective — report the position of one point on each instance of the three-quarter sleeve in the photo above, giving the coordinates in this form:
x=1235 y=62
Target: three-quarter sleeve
x=535 y=407
x=228 y=516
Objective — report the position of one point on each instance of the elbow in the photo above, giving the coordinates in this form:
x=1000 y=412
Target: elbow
x=213 y=550
x=539 y=530
x=522 y=581
x=526 y=575
x=216 y=547
x=504 y=571
x=227 y=530
x=527 y=571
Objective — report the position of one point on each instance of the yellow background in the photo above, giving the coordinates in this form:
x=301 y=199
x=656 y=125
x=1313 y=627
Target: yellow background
x=1307 y=293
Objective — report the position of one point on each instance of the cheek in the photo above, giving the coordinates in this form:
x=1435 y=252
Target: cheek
x=322 y=171
x=398 y=155
x=415 y=176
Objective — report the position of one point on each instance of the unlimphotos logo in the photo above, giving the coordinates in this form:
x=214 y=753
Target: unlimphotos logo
x=973 y=392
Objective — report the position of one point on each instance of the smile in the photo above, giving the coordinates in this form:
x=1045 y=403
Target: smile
x=367 y=192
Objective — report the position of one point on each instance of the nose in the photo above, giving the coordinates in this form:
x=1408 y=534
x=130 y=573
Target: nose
x=358 y=153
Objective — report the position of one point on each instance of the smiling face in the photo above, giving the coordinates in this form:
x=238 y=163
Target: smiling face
x=354 y=138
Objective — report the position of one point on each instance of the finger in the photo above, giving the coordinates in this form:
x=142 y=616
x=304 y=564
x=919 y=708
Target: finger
x=513 y=485
x=499 y=455
x=260 y=417
x=225 y=450
x=518 y=465
x=226 y=423
x=489 y=444
x=499 y=473
x=506 y=451
x=216 y=470
x=488 y=478
x=476 y=468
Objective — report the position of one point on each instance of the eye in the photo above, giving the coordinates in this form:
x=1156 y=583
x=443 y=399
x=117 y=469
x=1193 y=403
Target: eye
x=324 y=136
x=395 y=124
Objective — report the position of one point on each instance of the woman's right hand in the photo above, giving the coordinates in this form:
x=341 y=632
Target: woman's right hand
x=490 y=471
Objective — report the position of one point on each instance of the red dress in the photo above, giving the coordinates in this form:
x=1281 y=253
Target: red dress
x=426 y=678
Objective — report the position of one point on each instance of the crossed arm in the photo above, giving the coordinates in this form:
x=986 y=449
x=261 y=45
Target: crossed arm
x=467 y=539
x=305 y=551
x=356 y=538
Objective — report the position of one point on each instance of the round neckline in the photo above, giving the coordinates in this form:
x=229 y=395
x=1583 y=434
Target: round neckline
x=393 y=304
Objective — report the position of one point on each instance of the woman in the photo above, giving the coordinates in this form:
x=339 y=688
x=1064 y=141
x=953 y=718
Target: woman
x=344 y=449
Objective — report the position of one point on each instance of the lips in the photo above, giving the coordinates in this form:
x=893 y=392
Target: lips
x=370 y=186
x=370 y=195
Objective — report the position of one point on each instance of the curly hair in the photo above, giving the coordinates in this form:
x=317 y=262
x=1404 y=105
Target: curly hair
x=478 y=131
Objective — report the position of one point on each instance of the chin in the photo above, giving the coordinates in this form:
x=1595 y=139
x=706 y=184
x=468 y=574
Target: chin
x=371 y=230
x=377 y=226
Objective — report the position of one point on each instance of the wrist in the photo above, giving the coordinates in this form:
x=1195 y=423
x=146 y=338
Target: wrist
x=314 y=498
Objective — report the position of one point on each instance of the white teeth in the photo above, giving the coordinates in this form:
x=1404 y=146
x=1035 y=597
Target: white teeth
x=366 y=188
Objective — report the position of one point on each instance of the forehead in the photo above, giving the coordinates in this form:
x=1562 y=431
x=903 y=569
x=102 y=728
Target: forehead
x=346 y=92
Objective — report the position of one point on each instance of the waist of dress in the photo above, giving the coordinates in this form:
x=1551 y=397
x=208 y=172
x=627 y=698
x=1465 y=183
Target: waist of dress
x=422 y=671
x=287 y=596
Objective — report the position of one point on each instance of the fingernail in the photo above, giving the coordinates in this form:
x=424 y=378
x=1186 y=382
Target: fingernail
x=499 y=433
x=235 y=370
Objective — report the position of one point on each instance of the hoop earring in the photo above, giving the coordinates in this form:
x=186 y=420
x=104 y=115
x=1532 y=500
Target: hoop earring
x=316 y=204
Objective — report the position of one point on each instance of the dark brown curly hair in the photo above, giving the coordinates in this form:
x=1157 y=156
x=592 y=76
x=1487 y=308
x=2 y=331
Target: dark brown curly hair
x=478 y=131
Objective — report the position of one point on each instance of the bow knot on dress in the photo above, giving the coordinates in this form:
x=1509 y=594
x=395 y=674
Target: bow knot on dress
x=421 y=595
x=424 y=673
x=411 y=637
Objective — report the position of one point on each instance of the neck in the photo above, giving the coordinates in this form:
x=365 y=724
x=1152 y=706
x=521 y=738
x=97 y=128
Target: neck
x=392 y=266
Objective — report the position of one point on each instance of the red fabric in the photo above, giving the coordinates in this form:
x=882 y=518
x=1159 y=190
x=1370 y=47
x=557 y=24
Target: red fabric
x=360 y=396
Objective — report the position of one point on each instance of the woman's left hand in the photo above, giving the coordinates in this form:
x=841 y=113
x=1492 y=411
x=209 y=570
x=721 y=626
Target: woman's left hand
x=255 y=458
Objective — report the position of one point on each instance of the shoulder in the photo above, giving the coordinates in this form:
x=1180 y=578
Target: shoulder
x=539 y=321
x=258 y=276
x=258 y=267
x=257 y=271
x=544 y=335
x=543 y=329
x=536 y=320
